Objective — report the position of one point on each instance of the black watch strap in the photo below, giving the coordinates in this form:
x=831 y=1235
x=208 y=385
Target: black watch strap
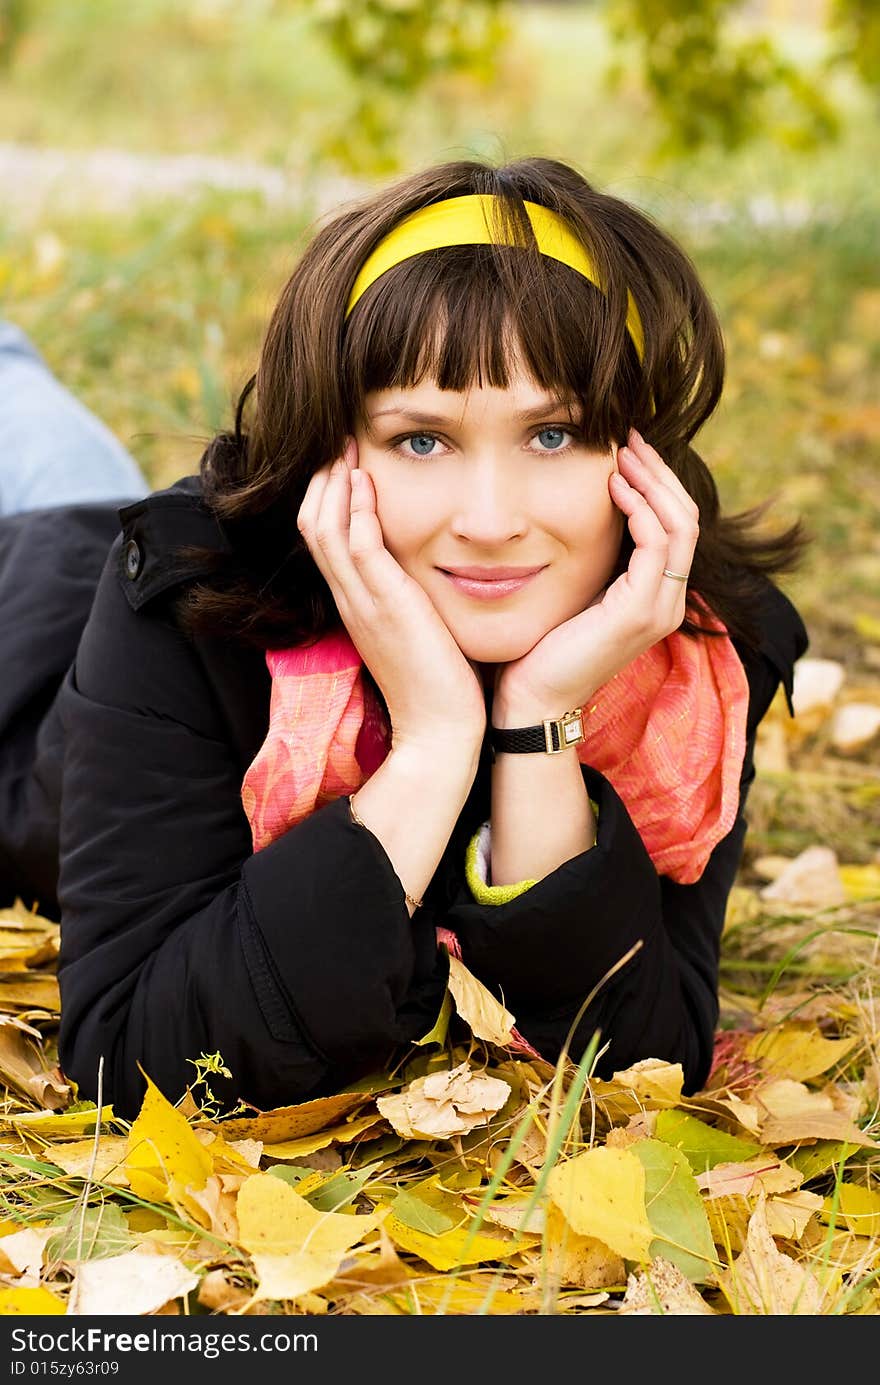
x=551 y=736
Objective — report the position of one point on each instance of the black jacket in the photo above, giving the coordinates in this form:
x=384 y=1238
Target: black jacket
x=120 y=813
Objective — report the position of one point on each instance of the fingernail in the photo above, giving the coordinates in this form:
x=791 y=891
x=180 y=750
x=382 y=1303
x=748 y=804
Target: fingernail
x=636 y=435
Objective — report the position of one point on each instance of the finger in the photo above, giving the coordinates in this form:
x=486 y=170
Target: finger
x=650 y=458
x=651 y=553
x=678 y=520
x=309 y=510
x=378 y=569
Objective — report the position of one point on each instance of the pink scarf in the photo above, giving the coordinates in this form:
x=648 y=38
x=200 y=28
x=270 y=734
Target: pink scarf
x=668 y=731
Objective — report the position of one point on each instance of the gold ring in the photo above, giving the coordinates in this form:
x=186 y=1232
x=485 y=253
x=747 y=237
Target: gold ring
x=679 y=576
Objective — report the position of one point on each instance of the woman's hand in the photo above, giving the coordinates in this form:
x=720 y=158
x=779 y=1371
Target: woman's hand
x=431 y=690
x=641 y=607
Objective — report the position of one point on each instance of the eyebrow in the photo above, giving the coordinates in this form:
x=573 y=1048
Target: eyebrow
x=549 y=406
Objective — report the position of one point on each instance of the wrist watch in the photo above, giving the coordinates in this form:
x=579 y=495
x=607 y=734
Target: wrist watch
x=553 y=735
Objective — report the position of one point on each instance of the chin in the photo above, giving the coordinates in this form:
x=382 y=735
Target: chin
x=494 y=650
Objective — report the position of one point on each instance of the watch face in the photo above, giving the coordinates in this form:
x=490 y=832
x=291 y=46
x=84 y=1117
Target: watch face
x=572 y=731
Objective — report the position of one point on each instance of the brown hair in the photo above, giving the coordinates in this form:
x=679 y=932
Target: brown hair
x=316 y=366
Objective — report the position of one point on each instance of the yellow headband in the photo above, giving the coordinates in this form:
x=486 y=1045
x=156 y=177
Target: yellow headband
x=466 y=221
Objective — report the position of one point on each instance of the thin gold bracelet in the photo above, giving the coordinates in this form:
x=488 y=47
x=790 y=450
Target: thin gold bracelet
x=416 y=903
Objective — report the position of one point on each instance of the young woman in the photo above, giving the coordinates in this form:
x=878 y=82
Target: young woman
x=447 y=643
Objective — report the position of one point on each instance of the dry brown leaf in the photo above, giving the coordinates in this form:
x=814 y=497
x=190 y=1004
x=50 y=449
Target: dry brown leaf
x=29 y=990
x=444 y=1104
x=219 y=1292
x=662 y=1289
x=291 y=1122
x=789 y=1215
x=762 y=1280
x=764 y=1172
x=24 y=1067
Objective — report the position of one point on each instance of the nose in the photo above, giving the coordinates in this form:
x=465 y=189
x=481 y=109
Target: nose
x=489 y=509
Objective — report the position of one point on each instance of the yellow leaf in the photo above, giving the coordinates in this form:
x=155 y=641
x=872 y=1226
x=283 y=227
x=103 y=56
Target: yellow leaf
x=51 y=1123
x=24 y=1302
x=798 y=1051
x=75 y=1158
x=337 y=1134
x=858 y=1208
x=581 y=1262
x=456 y=1247
x=867 y=626
x=478 y=1007
x=29 y=990
x=860 y=882
x=457 y=1296
x=164 y=1156
x=658 y=1083
x=601 y=1193
x=295 y=1248
x=290 y=1122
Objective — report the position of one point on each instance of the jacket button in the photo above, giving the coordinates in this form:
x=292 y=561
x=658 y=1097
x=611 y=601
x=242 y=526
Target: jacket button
x=133 y=559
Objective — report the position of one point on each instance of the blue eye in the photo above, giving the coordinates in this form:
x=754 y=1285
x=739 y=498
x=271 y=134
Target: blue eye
x=421 y=443
x=552 y=438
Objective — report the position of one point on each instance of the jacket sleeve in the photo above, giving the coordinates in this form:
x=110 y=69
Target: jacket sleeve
x=298 y=963
x=545 y=952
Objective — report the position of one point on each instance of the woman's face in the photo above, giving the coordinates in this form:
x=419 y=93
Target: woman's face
x=490 y=478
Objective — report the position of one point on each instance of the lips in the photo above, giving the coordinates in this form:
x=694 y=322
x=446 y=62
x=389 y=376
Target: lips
x=492 y=574
x=491 y=588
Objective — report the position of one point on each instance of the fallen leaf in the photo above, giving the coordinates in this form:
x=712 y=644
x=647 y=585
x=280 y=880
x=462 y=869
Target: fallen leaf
x=138 y=1282
x=811 y=880
x=762 y=1280
x=461 y=1246
x=601 y=1193
x=75 y=1158
x=854 y=726
x=816 y=683
x=789 y=1214
x=294 y=1248
x=22 y=1254
x=662 y=1289
x=219 y=1292
x=27 y=1302
x=442 y=1104
x=336 y=1134
x=581 y=1262
x=675 y=1210
x=487 y=1017
x=164 y=1158
x=290 y=1122
x=858 y=1208
x=657 y=1083
x=51 y=1124
x=798 y=1051
x=23 y=1066
x=702 y=1145
x=765 y=1172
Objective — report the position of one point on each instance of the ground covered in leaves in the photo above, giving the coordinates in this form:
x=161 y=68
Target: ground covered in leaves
x=475 y=1180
